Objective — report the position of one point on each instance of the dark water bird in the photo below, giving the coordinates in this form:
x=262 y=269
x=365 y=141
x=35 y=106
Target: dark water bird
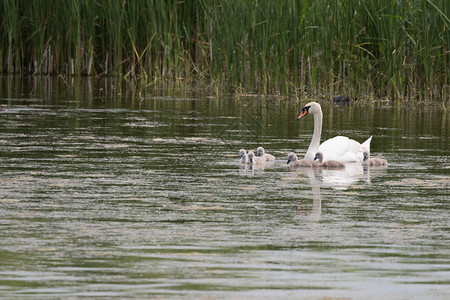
x=329 y=164
x=343 y=100
x=372 y=162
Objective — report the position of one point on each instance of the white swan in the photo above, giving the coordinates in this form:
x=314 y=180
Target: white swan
x=339 y=148
x=293 y=162
x=372 y=162
x=254 y=160
x=243 y=156
x=329 y=164
x=260 y=152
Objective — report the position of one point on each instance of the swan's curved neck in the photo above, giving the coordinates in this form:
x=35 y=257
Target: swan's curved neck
x=315 y=141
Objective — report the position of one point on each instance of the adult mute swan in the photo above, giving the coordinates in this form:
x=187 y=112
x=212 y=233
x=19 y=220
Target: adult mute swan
x=339 y=148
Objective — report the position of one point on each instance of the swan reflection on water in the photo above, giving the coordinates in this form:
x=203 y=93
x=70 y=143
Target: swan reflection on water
x=252 y=169
x=319 y=177
x=314 y=177
x=369 y=171
x=339 y=179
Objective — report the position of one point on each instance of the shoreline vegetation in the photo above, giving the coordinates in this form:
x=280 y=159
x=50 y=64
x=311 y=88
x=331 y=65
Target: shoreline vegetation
x=398 y=50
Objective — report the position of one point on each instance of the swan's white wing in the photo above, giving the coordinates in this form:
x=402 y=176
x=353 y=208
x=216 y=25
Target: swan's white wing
x=366 y=145
x=343 y=149
x=338 y=145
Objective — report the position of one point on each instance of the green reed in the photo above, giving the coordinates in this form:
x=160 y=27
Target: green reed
x=399 y=49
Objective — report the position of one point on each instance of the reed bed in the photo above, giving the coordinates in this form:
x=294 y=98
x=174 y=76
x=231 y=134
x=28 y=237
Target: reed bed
x=398 y=49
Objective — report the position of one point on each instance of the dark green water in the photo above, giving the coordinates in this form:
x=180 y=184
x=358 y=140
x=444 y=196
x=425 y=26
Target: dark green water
x=107 y=196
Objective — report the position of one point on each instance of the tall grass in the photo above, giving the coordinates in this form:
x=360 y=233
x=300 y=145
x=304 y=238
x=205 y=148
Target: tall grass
x=398 y=49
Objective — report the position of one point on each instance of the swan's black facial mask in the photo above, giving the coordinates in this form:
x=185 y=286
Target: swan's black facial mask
x=305 y=111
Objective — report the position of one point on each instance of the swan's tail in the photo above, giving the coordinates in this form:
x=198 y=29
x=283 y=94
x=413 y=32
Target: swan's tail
x=366 y=144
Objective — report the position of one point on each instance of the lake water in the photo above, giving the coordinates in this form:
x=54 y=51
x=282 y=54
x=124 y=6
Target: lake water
x=107 y=193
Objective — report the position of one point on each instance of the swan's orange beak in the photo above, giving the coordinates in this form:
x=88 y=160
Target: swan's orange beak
x=304 y=113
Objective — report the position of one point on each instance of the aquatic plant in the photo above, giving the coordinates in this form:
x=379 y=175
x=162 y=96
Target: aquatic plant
x=398 y=49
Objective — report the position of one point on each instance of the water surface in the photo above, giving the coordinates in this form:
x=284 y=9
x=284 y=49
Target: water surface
x=113 y=194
